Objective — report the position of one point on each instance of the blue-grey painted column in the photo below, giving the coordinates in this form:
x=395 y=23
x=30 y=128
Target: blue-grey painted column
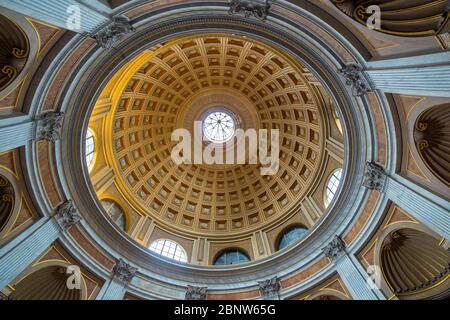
x=60 y=13
x=427 y=75
x=17 y=131
x=14 y=135
x=114 y=288
x=352 y=274
x=424 y=206
x=434 y=215
x=18 y=258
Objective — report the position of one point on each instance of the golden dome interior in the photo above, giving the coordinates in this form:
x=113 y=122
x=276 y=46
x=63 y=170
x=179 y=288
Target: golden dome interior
x=180 y=81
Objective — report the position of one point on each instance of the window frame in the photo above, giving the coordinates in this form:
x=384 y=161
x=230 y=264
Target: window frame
x=327 y=199
x=229 y=251
x=287 y=231
x=162 y=252
x=91 y=154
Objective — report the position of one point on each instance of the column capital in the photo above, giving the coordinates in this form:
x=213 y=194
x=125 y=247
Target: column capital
x=335 y=249
x=196 y=293
x=353 y=75
x=270 y=289
x=123 y=271
x=67 y=215
x=374 y=177
x=113 y=32
x=49 y=126
x=250 y=9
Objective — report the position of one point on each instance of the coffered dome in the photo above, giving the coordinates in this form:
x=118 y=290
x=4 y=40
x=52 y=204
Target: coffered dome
x=182 y=81
x=113 y=126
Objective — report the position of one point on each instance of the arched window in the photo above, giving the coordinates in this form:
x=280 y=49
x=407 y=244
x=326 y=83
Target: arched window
x=290 y=235
x=115 y=212
x=234 y=256
x=332 y=186
x=169 y=249
x=90 y=148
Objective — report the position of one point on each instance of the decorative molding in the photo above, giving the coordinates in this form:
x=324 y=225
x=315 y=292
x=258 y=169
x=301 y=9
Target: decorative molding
x=67 y=215
x=49 y=126
x=124 y=271
x=250 y=8
x=354 y=78
x=113 y=32
x=335 y=249
x=374 y=177
x=196 y=293
x=270 y=289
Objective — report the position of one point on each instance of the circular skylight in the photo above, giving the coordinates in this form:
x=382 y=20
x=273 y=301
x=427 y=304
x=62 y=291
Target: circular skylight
x=219 y=126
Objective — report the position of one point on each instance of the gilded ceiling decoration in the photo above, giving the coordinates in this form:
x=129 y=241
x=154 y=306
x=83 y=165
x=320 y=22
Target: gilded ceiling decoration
x=404 y=17
x=14 y=51
x=186 y=79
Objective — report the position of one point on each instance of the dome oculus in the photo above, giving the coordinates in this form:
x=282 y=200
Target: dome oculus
x=218 y=126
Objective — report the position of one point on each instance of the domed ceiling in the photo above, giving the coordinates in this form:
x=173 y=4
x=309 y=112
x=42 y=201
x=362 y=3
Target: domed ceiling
x=179 y=83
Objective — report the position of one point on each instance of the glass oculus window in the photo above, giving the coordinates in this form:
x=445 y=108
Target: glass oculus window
x=291 y=235
x=234 y=256
x=169 y=249
x=332 y=186
x=219 y=126
x=115 y=212
x=90 y=148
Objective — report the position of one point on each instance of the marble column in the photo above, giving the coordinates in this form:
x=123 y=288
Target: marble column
x=114 y=288
x=18 y=258
x=352 y=274
x=427 y=75
x=63 y=13
x=421 y=204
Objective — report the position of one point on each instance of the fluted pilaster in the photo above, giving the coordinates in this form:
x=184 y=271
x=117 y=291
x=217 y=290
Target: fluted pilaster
x=351 y=272
x=427 y=75
x=420 y=207
x=114 y=289
x=20 y=257
x=16 y=135
x=60 y=12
